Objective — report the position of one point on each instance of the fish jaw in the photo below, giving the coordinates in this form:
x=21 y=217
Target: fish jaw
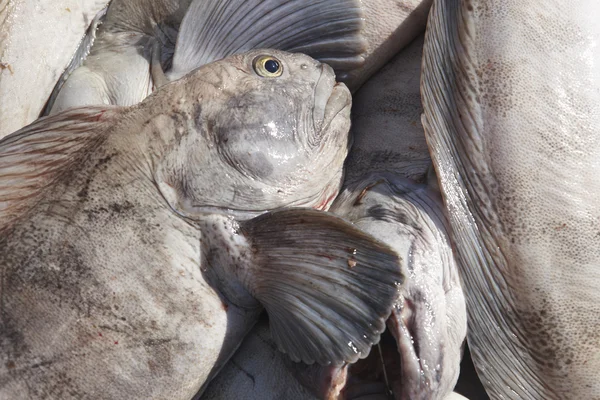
x=511 y=121
x=428 y=322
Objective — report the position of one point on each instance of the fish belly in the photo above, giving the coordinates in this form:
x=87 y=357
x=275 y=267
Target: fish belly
x=511 y=93
x=37 y=41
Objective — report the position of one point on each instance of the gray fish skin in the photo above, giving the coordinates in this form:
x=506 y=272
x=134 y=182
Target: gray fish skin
x=429 y=320
x=121 y=69
x=37 y=41
x=386 y=121
x=257 y=371
x=388 y=138
x=127 y=273
x=511 y=93
x=390 y=26
x=117 y=69
x=397 y=201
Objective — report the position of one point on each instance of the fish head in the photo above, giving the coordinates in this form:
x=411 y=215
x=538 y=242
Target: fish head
x=269 y=129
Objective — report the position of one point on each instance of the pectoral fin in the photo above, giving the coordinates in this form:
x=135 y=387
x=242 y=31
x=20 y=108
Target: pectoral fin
x=34 y=156
x=328 y=30
x=327 y=286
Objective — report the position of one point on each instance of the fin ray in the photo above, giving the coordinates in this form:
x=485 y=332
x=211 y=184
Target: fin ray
x=327 y=286
x=34 y=156
x=215 y=29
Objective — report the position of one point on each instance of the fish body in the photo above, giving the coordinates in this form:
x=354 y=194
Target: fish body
x=136 y=248
x=386 y=193
x=511 y=100
x=37 y=42
x=429 y=321
x=390 y=26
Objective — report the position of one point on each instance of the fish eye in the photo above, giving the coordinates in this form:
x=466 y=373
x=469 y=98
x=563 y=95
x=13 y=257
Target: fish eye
x=267 y=66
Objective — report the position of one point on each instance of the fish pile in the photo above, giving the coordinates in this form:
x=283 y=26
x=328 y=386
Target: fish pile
x=299 y=199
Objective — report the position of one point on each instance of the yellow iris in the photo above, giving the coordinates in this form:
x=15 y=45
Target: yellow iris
x=267 y=66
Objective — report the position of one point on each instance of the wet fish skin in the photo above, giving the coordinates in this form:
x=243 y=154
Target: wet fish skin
x=429 y=319
x=37 y=41
x=510 y=93
x=387 y=192
x=114 y=252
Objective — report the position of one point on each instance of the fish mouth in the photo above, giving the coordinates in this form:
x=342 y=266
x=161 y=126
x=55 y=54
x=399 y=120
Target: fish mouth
x=379 y=376
x=331 y=98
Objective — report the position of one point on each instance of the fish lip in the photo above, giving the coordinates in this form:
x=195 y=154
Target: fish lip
x=327 y=95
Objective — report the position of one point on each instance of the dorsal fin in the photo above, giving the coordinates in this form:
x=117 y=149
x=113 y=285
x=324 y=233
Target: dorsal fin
x=34 y=156
x=328 y=30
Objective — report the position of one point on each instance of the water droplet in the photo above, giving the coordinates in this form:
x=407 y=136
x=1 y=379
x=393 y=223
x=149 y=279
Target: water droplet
x=351 y=345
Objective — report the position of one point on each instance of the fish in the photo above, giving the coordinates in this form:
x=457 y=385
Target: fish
x=140 y=244
x=355 y=38
x=427 y=327
x=389 y=27
x=138 y=50
x=390 y=192
x=258 y=371
x=512 y=115
x=143 y=44
x=37 y=42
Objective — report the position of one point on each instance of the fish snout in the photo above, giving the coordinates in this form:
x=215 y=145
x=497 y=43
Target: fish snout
x=331 y=98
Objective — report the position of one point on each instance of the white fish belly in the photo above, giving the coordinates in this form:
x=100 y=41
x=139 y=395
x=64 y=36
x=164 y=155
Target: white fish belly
x=37 y=41
x=511 y=93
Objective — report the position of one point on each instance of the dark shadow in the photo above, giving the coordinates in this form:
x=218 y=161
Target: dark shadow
x=468 y=383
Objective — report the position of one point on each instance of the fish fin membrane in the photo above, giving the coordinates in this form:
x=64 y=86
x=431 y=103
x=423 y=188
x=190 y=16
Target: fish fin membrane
x=78 y=58
x=327 y=30
x=32 y=158
x=328 y=287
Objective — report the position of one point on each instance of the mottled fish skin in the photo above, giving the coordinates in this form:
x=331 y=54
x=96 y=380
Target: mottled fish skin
x=99 y=266
x=511 y=93
x=37 y=41
x=388 y=139
x=429 y=322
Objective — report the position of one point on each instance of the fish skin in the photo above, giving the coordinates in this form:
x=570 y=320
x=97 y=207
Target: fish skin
x=429 y=320
x=512 y=111
x=37 y=41
x=388 y=141
x=106 y=287
x=386 y=121
x=390 y=26
x=387 y=193
x=117 y=70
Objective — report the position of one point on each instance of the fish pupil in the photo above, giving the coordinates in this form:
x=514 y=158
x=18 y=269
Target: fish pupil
x=272 y=66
